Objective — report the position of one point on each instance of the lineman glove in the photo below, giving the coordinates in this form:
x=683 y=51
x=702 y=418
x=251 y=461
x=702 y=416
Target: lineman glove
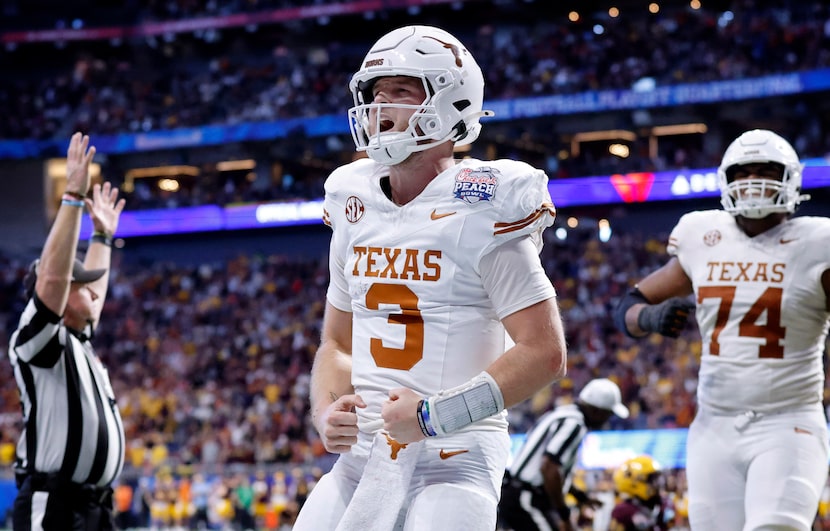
x=667 y=318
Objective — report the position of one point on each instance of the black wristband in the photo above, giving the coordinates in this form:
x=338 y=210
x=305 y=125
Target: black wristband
x=101 y=237
x=632 y=297
x=77 y=195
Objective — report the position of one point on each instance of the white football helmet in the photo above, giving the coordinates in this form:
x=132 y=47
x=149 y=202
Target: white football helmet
x=453 y=83
x=758 y=198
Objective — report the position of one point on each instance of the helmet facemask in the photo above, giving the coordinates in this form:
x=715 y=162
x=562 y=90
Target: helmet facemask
x=426 y=127
x=760 y=196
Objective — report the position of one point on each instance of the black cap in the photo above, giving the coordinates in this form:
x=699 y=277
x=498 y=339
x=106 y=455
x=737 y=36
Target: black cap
x=80 y=274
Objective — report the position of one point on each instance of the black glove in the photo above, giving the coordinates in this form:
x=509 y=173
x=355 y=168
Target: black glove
x=667 y=318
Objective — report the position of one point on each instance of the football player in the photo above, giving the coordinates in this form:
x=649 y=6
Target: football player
x=433 y=261
x=758 y=447
x=638 y=482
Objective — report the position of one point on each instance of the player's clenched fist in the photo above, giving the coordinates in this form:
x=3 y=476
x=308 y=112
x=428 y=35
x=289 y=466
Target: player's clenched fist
x=667 y=318
x=399 y=415
x=338 y=424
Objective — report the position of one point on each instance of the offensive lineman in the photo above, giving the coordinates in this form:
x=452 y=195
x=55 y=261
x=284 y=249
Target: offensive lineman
x=758 y=448
x=432 y=259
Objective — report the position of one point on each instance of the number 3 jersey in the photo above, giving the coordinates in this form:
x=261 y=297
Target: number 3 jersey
x=761 y=309
x=415 y=276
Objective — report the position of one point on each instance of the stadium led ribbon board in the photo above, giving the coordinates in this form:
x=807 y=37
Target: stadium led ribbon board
x=640 y=187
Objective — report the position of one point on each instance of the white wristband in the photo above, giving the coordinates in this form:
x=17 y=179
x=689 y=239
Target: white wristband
x=455 y=408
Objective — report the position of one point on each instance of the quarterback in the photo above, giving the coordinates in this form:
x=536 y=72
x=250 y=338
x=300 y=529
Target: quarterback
x=433 y=263
x=758 y=447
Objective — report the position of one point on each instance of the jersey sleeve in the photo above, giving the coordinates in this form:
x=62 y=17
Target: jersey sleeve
x=694 y=232
x=338 y=290
x=334 y=208
x=508 y=291
x=679 y=237
x=524 y=205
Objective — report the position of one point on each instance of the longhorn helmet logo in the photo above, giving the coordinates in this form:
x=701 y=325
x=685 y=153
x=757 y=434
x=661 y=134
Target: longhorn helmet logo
x=456 y=51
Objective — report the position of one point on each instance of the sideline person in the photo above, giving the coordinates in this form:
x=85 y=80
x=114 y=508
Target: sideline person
x=72 y=445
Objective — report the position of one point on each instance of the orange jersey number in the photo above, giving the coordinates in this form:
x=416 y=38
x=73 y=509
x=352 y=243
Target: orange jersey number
x=410 y=316
x=772 y=332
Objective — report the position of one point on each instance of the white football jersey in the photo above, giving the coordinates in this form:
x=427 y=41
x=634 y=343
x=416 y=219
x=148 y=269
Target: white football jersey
x=411 y=275
x=760 y=309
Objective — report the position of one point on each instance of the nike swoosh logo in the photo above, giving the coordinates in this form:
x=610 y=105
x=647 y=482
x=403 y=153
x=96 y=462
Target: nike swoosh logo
x=802 y=430
x=435 y=215
x=446 y=455
x=784 y=240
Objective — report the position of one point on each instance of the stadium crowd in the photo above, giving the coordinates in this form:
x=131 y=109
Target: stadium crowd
x=278 y=73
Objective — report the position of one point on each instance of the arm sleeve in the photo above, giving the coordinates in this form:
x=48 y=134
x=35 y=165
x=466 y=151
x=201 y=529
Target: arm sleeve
x=514 y=277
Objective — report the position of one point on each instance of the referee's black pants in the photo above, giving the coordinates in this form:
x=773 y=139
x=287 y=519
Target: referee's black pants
x=525 y=508
x=46 y=502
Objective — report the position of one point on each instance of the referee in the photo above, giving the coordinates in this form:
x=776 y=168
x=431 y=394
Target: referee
x=537 y=480
x=72 y=445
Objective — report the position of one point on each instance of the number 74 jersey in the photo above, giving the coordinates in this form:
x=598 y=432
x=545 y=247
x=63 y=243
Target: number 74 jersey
x=761 y=309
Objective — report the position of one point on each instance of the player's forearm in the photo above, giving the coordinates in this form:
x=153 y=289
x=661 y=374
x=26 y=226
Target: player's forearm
x=521 y=372
x=331 y=378
x=537 y=359
x=632 y=317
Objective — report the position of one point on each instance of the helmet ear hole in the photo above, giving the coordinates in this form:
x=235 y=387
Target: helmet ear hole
x=429 y=124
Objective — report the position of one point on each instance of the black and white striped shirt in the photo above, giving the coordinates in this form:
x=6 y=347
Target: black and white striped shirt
x=72 y=424
x=557 y=433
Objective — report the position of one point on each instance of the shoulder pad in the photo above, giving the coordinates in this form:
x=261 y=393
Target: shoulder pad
x=522 y=205
x=694 y=224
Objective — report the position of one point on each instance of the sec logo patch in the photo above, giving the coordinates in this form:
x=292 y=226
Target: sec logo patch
x=354 y=209
x=712 y=238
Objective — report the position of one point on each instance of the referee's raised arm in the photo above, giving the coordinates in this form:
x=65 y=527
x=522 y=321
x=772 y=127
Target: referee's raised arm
x=72 y=444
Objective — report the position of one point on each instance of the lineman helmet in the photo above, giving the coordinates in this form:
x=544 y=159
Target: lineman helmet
x=759 y=197
x=453 y=83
